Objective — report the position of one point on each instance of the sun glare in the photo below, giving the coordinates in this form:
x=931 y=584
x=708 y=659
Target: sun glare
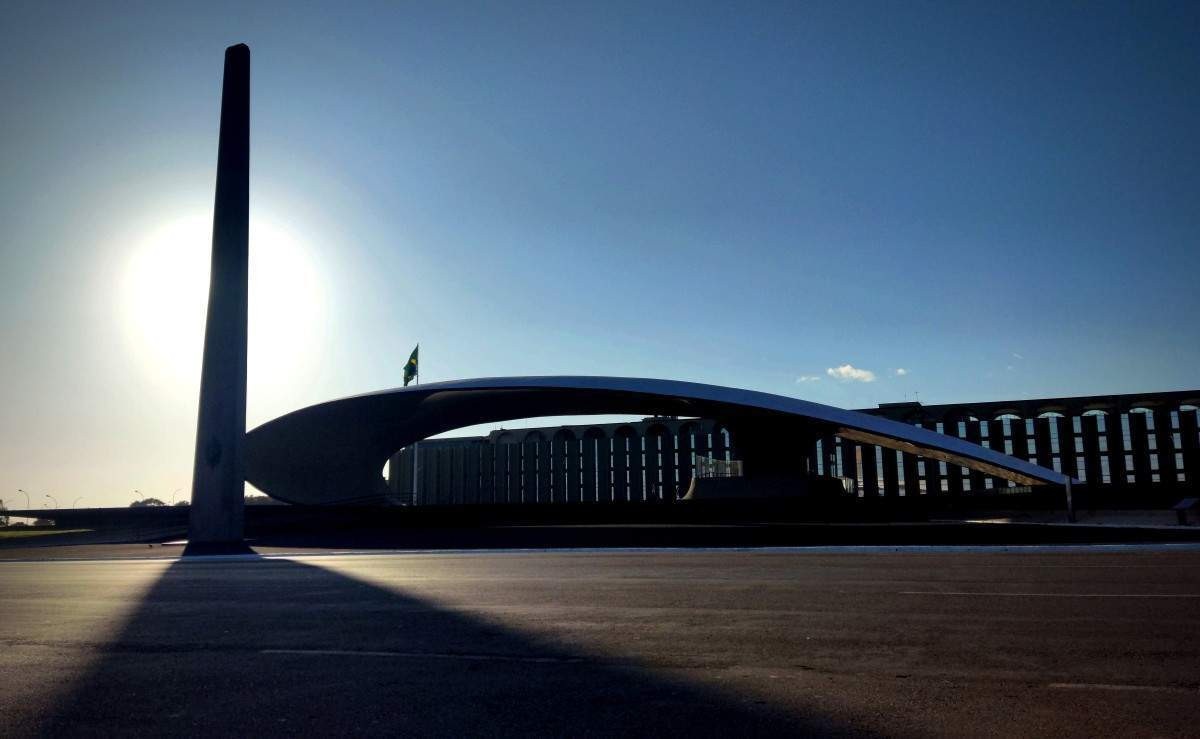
x=166 y=296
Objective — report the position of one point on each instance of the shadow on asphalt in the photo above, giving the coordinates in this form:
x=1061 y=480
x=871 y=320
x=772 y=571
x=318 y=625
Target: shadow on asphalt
x=280 y=647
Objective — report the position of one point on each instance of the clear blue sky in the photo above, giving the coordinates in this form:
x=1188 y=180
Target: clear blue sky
x=999 y=199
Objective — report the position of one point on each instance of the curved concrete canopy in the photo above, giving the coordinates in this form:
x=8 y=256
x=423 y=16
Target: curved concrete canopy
x=334 y=452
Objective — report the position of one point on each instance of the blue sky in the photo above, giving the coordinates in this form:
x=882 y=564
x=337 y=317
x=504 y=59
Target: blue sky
x=999 y=199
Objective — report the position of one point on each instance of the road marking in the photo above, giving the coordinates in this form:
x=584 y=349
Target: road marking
x=1053 y=595
x=1182 y=547
x=425 y=655
x=1111 y=686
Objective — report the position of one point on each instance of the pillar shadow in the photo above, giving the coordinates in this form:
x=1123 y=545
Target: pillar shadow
x=281 y=647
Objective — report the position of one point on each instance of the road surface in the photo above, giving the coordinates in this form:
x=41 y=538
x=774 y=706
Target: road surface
x=697 y=643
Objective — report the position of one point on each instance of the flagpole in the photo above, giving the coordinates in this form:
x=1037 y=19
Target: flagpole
x=415 y=455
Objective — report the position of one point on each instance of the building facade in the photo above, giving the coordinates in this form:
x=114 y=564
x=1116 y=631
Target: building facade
x=1125 y=450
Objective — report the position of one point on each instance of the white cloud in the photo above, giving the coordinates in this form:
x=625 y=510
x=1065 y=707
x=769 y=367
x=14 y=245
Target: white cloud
x=1017 y=356
x=808 y=378
x=901 y=372
x=847 y=373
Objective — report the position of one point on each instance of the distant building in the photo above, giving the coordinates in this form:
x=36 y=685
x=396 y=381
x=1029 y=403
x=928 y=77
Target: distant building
x=1126 y=450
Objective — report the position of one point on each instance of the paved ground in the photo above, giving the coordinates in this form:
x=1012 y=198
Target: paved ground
x=1067 y=643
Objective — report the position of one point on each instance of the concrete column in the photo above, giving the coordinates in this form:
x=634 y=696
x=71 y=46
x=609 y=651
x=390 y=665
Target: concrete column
x=1164 y=435
x=588 y=464
x=572 y=462
x=912 y=481
x=545 y=450
x=870 y=478
x=558 y=462
x=1041 y=437
x=975 y=436
x=1020 y=439
x=512 y=461
x=933 y=472
x=218 y=475
x=1191 y=450
x=850 y=462
x=1066 y=445
x=470 y=473
x=996 y=439
x=622 y=439
x=529 y=470
x=1093 y=472
x=487 y=472
x=954 y=472
x=604 y=469
x=686 y=446
x=1140 y=448
x=636 y=489
x=1116 y=449
x=891 y=473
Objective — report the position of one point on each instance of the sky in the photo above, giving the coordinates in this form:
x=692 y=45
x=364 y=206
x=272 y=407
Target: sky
x=852 y=203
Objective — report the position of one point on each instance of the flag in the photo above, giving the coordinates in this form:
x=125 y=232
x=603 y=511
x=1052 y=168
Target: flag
x=410 y=369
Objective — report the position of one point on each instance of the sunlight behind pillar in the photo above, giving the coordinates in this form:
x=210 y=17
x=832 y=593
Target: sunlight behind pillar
x=219 y=472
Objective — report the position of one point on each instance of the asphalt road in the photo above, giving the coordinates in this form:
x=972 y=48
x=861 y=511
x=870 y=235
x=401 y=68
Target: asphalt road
x=636 y=643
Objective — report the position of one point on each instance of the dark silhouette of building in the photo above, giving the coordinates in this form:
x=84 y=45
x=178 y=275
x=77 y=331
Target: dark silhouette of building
x=334 y=452
x=1137 y=449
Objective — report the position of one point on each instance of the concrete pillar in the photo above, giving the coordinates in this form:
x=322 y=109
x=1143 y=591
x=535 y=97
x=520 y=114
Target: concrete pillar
x=604 y=469
x=1093 y=471
x=218 y=475
x=571 y=465
x=1020 y=438
x=622 y=440
x=1140 y=447
x=933 y=471
x=637 y=490
x=1066 y=446
x=558 y=467
x=687 y=449
x=1041 y=438
x=545 y=450
x=912 y=482
x=588 y=458
x=891 y=472
x=652 y=468
x=1116 y=449
x=1164 y=435
x=512 y=461
x=850 y=462
x=870 y=476
x=975 y=436
x=470 y=472
x=529 y=470
x=1191 y=450
x=954 y=472
x=487 y=472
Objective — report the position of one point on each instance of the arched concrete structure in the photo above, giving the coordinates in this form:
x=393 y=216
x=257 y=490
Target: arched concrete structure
x=333 y=452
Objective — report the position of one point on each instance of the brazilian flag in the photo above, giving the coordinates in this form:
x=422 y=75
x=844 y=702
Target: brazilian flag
x=410 y=369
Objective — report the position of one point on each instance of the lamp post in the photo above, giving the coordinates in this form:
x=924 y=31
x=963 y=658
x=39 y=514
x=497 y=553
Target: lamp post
x=174 y=494
x=138 y=495
x=51 y=497
x=77 y=501
x=19 y=490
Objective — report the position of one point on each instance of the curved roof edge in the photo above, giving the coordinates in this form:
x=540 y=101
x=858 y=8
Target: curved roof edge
x=378 y=420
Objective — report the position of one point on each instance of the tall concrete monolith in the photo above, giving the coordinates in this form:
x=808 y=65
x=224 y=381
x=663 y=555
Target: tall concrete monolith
x=218 y=477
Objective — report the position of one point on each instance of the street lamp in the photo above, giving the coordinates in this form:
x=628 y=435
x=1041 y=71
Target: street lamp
x=51 y=497
x=174 y=494
x=19 y=490
x=77 y=501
